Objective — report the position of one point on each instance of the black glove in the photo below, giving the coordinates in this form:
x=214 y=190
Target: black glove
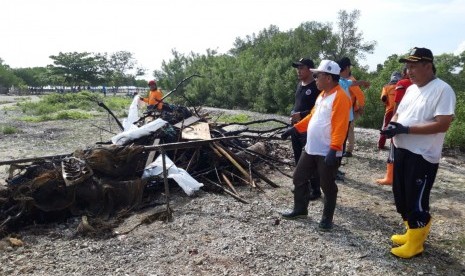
x=384 y=98
x=393 y=129
x=331 y=158
x=287 y=133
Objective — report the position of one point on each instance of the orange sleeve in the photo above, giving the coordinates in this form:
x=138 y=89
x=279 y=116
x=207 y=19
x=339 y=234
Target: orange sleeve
x=358 y=97
x=339 y=120
x=302 y=125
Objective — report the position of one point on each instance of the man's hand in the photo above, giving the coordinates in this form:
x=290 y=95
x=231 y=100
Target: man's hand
x=394 y=128
x=331 y=158
x=287 y=133
x=295 y=117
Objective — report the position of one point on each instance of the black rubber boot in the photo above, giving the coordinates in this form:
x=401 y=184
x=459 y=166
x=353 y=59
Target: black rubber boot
x=300 y=210
x=326 y=223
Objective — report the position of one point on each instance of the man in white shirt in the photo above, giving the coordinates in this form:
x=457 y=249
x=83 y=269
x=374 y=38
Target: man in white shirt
x=419 y=127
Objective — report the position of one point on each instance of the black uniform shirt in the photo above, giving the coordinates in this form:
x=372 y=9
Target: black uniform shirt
x=305 y=97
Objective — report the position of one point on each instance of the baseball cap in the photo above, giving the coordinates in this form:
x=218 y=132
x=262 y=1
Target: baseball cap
x=327 y=66
x=344 y=62
x=395 y=77
x=304 y=61
x=152 y=82
x=418 y=54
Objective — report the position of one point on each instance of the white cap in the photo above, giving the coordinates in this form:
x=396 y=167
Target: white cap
x=327 y=66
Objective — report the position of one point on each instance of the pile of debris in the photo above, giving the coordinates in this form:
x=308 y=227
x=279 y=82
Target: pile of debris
x=138 y=168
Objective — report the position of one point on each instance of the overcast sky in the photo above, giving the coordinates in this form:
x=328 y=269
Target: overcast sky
x=32 y=30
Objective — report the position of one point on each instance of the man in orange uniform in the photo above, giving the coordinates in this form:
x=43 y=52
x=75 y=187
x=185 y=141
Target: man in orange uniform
x=358 y=102
x=387 y=97
x=326 y=128
x=399 y=92
x=154 y=97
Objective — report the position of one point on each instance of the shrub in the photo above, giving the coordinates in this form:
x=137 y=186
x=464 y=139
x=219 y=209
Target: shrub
x=71 y=106
x=72 y=115
x=8 y=129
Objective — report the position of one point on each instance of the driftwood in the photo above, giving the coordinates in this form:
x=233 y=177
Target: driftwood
x=228 y=156
x=229 y=183
x=225 y=190
x=34 y=159
x=114 y=185
x=243 y=163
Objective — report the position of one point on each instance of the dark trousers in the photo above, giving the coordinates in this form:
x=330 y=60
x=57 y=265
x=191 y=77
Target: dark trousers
x=413 y=180
x=347 y=137
x=382 y=137
x=298 y=143
x=307 y=167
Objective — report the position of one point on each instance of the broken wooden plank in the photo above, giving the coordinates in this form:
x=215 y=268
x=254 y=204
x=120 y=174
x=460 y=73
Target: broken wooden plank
x=199 y=130
x=152 y=153
x=32 y=159
x=231 y=159
x=226 y=191
x=257 y=173
x=189 y=144
x=187 y=122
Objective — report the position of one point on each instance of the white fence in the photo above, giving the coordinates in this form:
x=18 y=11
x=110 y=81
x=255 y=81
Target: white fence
x=122 y=90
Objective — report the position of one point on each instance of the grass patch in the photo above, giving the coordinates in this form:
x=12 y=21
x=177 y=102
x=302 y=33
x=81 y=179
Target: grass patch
x=236 y=118
x=5 y=129
x=73 y=115
x=22 y=99
x=62 y=115
x=71 y=106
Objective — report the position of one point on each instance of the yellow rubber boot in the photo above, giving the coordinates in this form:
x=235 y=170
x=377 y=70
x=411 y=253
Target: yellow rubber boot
x=414 y=245
x=400 y=239
x=387 y=180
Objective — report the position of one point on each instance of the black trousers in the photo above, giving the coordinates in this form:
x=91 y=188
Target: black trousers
x=307 y=167
x=298 y=143
x=413 y=180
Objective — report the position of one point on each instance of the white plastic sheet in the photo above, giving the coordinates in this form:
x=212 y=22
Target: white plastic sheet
x=133 y=134
x=133 y=114
x=183 y=178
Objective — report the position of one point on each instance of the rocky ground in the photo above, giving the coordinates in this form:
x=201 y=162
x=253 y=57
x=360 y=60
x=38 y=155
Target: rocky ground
x=213 y=234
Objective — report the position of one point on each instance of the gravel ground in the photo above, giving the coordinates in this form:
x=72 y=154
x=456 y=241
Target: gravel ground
x=213 y=234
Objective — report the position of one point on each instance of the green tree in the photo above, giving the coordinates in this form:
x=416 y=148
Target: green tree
x=119 y=68
x=256 y=73
x=7 y=77
x=33 y=77
x=349 y=39
x=75 y=68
